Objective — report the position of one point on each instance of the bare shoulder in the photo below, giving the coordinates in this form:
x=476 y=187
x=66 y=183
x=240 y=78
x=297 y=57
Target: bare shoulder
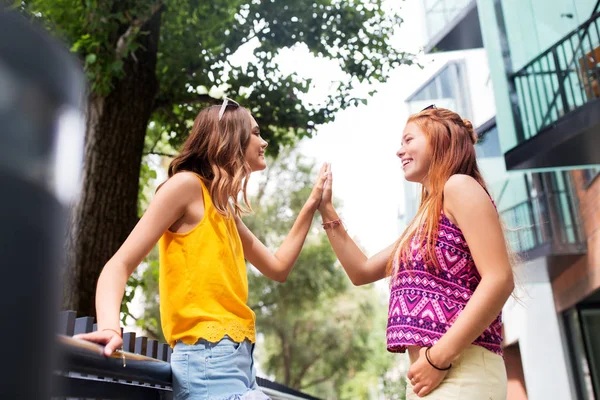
x=184 y=185
x=459 y=183
x=463 y=193
x=183 y=180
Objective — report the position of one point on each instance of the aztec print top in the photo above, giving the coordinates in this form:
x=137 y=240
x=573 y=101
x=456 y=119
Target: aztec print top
x=425 y=302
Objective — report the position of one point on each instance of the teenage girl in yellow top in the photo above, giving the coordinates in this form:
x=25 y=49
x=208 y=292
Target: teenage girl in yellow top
x=203 y=285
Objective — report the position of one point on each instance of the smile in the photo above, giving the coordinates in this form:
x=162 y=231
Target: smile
x=406 y=162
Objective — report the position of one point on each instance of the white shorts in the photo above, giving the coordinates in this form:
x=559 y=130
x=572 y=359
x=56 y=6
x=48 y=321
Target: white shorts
x=477 y=374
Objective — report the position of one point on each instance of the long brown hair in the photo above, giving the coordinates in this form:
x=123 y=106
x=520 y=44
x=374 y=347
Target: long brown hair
x=215 y=151
x=452 y=141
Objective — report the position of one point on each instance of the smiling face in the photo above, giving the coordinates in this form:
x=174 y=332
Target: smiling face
x=415 y=154
x=255 y=152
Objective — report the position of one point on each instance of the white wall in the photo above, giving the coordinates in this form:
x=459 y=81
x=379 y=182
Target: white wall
x=532 y=320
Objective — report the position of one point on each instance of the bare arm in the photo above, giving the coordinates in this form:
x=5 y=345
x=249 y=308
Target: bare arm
x=166 y=208
x=360 y=269
x=469 y=205
x=279 y=265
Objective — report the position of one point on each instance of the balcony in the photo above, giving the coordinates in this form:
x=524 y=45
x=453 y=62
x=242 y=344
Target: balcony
x=452 y=25
x=547 y=225
x=556 y=103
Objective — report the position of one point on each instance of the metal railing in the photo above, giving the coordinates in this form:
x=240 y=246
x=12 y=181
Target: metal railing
x=561 y=79
x=141 y=370
x=548 y=219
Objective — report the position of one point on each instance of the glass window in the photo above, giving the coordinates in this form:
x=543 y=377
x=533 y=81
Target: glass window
x=590 y=322
x=589 y=175
x=488 y=144
x=447 y=89
x=439 y=13
x=577 y=354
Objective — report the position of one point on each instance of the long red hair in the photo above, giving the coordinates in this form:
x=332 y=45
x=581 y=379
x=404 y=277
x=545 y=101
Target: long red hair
x=452 y=142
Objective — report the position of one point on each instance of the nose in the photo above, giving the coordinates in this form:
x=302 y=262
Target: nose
x=264 y=143
x=400 y=152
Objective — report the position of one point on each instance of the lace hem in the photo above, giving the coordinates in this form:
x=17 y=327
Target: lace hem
x=214 y=332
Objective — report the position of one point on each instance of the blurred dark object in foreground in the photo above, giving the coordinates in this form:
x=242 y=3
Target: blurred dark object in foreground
x=41 y=139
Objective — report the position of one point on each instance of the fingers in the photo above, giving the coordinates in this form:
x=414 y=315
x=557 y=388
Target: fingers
x=324 y=174
x=115 y=343
x=324 y=168
x=421 y=390
x=417 y=388
x=96 y=337
x=110 y=341
x=328 y=179
x=321 y=177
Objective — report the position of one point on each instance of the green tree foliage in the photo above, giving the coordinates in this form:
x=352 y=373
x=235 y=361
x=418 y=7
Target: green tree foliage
x=160 y=61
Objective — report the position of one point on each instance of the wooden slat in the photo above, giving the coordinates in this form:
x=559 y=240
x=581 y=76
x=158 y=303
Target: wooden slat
x=129 y=341
x=163 y=352
x=66 y=322
x=84 y=325
x=152 y=348
x=140 y=345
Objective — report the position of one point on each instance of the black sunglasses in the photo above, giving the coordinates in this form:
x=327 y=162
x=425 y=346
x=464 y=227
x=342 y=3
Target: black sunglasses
x=435 y=108
x=227 y=102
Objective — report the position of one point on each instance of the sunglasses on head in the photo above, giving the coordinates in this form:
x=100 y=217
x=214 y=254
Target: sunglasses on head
x=435 y=108
x=227 y=103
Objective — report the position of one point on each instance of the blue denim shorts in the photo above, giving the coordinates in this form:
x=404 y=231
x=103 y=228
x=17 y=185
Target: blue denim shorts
x=214 y=371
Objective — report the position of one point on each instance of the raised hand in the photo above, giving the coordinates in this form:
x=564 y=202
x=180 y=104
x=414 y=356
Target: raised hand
x=317 y=192
x=326 y=197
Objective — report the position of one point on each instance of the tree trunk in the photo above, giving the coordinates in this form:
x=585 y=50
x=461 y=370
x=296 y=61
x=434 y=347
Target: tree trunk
x=106 y=211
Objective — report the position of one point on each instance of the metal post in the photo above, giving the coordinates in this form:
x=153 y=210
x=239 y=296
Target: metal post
x=41 y=137
x=508 y=67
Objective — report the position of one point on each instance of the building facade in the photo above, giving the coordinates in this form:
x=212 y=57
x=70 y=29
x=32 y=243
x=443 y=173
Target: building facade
x=540 y=154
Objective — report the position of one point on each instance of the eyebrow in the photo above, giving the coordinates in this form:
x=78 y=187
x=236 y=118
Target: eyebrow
x=256 y=129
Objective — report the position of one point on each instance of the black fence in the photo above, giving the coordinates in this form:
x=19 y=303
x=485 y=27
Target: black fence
x=142 y=370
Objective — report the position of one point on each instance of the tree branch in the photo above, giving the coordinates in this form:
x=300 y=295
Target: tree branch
x=323 y=379
x=317 y=381
x=305 y=369
x=158 y=153
x=286 y=356
x=190 y=98
x=126 y=38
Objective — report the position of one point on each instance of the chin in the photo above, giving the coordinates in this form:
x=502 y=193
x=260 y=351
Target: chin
x=259 y=167
x=412 y=178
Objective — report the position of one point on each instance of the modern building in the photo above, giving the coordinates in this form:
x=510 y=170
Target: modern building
x=545 y=66
x=542 y=164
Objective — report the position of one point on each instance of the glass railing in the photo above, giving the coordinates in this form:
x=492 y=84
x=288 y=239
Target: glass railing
x=546 y=219
x=561 y=79
x=440 y=13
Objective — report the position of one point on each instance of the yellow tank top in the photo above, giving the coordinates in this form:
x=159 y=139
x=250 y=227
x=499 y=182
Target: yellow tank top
x=203 y=283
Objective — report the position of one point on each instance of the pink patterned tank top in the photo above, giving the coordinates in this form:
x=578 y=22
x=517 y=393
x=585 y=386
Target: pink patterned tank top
x=425 y=302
